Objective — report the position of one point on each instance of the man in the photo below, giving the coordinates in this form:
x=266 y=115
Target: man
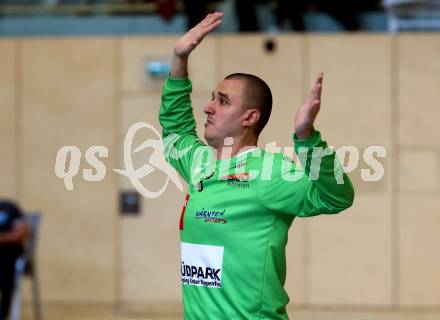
x=13 y=231
x=240 y=205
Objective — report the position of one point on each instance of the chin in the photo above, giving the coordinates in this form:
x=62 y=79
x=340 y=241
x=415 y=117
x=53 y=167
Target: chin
x=210 y=140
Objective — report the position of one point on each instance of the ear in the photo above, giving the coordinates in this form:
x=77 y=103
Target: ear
x=250 y=117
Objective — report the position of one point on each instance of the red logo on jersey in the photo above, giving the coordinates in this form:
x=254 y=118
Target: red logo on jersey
x=237 y=177
x=183 y=212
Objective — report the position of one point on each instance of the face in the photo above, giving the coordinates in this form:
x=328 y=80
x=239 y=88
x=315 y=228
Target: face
x=225 y=112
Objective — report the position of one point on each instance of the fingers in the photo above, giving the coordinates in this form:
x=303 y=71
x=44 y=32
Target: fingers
x=211 y=21
x=320 y=78
x=316 y=105
x=315 y=93
x=213 y=25
x=306 y=115
x=193 y=37
x=212 y=17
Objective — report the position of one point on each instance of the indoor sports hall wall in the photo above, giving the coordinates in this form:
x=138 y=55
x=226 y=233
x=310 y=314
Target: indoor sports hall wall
x=378 y=90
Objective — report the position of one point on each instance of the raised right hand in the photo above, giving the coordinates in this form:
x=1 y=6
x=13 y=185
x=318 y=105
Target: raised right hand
x=193 y=37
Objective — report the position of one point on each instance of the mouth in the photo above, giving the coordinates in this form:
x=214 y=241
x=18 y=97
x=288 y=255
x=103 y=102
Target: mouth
x=208 y=122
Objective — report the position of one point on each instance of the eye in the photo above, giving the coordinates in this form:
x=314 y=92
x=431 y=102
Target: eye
x=222 y=101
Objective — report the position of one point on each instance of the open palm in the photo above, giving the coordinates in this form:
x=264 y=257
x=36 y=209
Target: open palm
x=193 y=37
x=306 y=115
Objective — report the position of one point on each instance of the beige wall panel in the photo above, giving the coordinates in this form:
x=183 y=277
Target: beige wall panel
x=418 y=87
x=8 y=125
x=356 y=98
x=136 y=52
x=283 y=70
x=369 y=167
x=419 y=79
x=68 y=92
x=150 y=245
x=419 y=171
x=419 y=252
x=350 y=254
x=150 y=242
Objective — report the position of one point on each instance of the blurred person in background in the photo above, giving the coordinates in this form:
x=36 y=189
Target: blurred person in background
x=343 y=11
x=194 y=10
x=247 y=15
x=346 y=12
x=14 y=230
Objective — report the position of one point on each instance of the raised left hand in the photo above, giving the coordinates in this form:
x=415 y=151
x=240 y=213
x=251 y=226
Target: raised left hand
x=306 y=115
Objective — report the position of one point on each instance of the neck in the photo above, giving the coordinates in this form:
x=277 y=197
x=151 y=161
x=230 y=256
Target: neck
x=240 y=144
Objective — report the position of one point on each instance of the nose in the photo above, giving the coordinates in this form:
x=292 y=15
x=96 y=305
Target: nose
x=209 y=107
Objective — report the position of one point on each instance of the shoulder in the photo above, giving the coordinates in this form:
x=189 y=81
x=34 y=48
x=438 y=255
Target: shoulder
x=278 y=157
x=273 y=164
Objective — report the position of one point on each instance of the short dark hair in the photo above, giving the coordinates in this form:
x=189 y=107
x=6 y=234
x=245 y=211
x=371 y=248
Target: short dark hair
x=257 y=95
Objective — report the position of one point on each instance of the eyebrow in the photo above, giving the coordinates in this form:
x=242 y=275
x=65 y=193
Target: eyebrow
x=223 y=95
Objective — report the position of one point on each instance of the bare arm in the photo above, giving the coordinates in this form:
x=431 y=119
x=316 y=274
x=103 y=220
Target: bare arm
x=191 y=39
x=18 y=234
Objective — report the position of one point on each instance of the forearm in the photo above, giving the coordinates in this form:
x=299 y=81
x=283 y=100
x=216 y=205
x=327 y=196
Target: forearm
x=189 y=41
x=17 y=235
x=179 y=66
x=178 y=125
x=176 y=114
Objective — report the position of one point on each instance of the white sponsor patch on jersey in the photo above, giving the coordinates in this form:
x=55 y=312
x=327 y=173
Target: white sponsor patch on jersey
x=201 y=265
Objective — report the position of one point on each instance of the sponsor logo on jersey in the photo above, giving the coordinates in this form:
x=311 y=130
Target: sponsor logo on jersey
x=244 y=176
x=240 y=164
x=211 y=216
x=201 y=265
x=242 y=184
x=238 y=180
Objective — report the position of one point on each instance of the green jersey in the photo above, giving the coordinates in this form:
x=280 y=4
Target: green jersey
x=234 y=224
